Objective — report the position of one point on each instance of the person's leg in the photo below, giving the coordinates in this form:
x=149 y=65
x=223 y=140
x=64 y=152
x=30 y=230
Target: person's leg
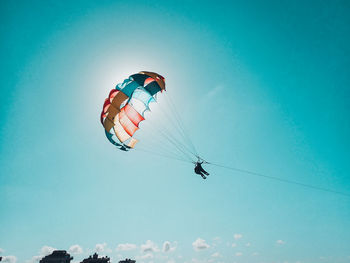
x=204 y=171
x=203 y=176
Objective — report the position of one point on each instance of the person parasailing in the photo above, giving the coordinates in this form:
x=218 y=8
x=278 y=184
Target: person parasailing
x=198 y=169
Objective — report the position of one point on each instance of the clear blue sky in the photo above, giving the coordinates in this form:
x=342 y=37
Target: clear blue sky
x=261 y=85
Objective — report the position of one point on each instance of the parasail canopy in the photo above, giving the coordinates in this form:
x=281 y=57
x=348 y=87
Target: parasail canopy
x=126 y=105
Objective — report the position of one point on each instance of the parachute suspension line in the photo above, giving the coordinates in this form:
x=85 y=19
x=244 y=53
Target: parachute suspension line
x=162 y=155
x=169 y=150
x=166 y=134
x=167 y=116
x=156 y=152
x=181 y=124
x=184 y=147
x=162 y=149
x=180 y=132
x=280 y=179
x=178 y=145
x=179 y=120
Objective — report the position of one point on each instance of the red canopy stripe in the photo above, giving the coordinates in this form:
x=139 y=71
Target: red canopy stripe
x=126 y=123
x=133 y=115
x=112 y=94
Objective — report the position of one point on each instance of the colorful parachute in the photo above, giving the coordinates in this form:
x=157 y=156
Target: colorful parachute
x=125 y=106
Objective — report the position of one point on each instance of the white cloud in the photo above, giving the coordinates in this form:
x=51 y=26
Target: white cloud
x=171 y=261
x=195 y=260
x=34 y=259
x=126 y=247
x=46 y=250
x=238 y=254
x=216 y=241
x=216 y=255
x=99 y=248
x=237 y=236
x=280 y=242
x=146 y=256
x=75 y=249
x=2 y=250
x=149 y=247
x=200 y=244
x=162 y=257
x=167 y=247
x=9 y=259
x=234 y=245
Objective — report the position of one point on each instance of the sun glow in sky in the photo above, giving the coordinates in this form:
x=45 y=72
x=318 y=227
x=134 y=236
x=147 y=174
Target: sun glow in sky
x=260 y=85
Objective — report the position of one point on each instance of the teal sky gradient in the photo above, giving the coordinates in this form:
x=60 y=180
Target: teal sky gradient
x=261 y=85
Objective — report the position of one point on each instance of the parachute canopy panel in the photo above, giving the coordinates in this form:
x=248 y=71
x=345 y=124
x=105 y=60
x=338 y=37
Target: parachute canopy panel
x=124 y=108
